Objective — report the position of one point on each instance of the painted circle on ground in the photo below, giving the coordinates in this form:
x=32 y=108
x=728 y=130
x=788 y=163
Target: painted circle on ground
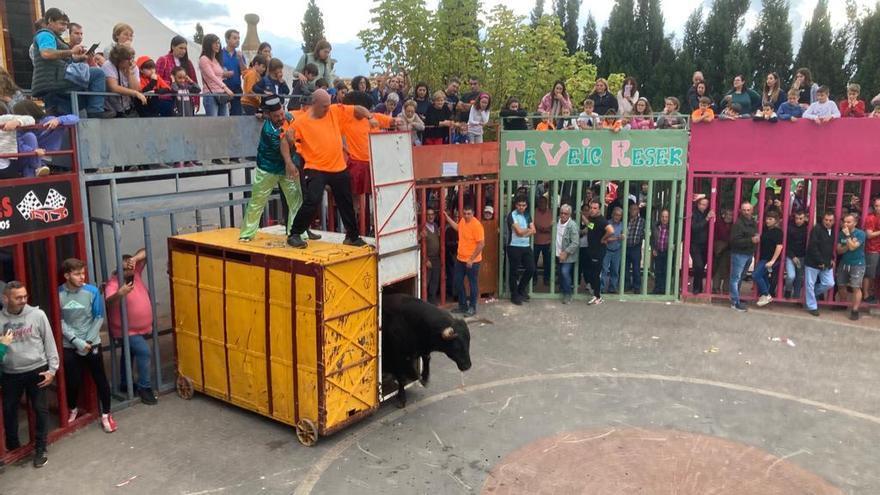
x=634 y=461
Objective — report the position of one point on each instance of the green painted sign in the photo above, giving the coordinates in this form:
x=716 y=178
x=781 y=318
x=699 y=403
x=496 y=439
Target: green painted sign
x=598 y=154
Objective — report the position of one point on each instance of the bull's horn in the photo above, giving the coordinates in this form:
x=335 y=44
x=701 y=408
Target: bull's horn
x=448 y=333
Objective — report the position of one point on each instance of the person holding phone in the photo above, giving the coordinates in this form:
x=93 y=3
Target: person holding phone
x=139 y=311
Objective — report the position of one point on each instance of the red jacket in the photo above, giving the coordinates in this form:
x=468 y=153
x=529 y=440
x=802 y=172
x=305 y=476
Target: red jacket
x=855 y=111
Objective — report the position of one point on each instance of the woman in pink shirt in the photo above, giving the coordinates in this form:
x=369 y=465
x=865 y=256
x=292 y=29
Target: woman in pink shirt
x=211 y=67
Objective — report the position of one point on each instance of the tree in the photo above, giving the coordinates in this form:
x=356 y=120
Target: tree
x=866 y=56
x=199 y=35
x=769 y=44
x=507 y=66
x=823 y=52
x=619 y=44
x=590 y=40
x=716 y=37
x=570 y=26
x=312 y=27
x=652 y=45
x=537 y=12
x=401 y=38
x=458 y=33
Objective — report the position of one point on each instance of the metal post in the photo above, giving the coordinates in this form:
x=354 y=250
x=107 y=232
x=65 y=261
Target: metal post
x=148 y=251
x=710 y=247
x=686 y=250
x=679 y=226
x=442 y=227
x=552 y=288
x=575 y=217
x=647 y=253
x=120 y=278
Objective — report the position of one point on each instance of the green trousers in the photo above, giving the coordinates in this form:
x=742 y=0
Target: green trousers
x=263 y=185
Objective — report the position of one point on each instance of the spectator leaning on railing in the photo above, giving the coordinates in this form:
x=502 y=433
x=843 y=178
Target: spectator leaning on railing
x=52 y=60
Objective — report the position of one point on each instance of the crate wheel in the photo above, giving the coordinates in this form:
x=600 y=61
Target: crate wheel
x=184 y=387
x=306 y=432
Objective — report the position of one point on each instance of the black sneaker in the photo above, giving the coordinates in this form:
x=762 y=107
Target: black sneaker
x=295 y=241
x=740 y=307
x=471 y=312
x=147 y=397
x=354 y=241
x=40 y=458
x=525 y=297
x=814 y=312
x=516 y=300
x=312 y=236
x=854 y=315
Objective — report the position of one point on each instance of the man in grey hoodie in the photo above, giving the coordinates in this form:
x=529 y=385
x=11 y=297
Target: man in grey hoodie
x=29 y=366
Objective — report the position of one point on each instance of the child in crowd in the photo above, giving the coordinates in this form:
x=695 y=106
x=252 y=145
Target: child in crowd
x=568 y=123
x=184 y=105
x=409 y=120
x=10 y=93
x=770 y=251
x=151 y=82
x=299 y=90
x=82 y=315
x=250 y=105
x=766 y=113
x=273 y=82
x=512 y=115
x=546 y=123
x=642 y=115
x=322 y=84
x=822 y=110
x=49 y=138
x=588 y=119
x=704 y=113
x=852 y=106
x=341 y=89
x=438 y=118
x=478 y=117
x=876 y=113
x=730 y=112
x=611 y=123
x=10 y=141
x=671 y=119
x=791 y=109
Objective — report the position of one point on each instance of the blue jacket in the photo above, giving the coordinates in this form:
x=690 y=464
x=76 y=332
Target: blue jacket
x=786 y=111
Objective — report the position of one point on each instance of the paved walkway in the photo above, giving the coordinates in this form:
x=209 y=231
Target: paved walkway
x=618 y=398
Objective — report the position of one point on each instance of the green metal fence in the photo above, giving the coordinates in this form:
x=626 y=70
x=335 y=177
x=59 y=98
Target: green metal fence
x=647 y=167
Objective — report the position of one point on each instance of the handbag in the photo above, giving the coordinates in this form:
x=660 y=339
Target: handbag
x=77 y=73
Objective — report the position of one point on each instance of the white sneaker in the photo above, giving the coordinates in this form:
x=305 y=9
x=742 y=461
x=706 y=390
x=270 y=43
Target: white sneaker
x=108 y=423
x=594 y=300
x=599 y=301
x=764 y=300
x=42 y=171
x=72 y=416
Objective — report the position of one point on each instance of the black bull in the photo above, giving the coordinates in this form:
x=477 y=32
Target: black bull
x=413 y=329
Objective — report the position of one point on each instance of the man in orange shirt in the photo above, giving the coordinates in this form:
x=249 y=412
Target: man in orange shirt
x=357 y=143
x=317 y=134
x=471 y=240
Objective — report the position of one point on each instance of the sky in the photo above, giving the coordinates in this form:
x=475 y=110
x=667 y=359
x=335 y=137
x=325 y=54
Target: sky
x=280 y=20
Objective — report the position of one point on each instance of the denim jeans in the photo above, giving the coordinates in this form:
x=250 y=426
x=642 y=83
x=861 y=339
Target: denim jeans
x=92 y=103
x=213 y=108
x=762 y=276
x=660 y=262
x=610 y=271
x=632 y=275
x=739 y=263
x=794 y=277
x=235 y=103
x=565 y=272
x=812 y=289
x=543 y=250
x=473 y=275
x=140 y=351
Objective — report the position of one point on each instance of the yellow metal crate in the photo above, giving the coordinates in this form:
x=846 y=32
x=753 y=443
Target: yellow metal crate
x=291 y=334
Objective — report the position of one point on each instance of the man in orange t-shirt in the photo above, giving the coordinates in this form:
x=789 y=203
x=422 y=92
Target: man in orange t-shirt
x=471 y=240
x=317 y=134
x=357 y=143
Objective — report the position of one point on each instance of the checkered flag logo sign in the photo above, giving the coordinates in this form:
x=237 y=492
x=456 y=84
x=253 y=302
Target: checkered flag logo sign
x=54 y=200
x=28 y=204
